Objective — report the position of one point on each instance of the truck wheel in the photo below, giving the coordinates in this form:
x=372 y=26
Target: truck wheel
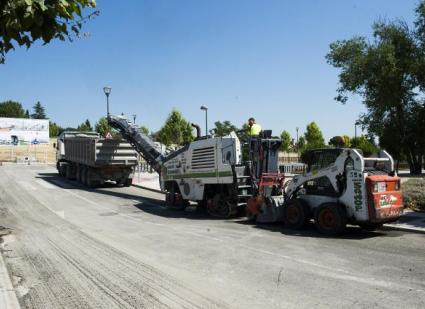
x=330 y=219
x=89 y=179
x=84 y=176
x=68 y=171
x=295 y=214
x=220 y=207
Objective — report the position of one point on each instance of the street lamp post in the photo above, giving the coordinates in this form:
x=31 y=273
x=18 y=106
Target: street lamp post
x=107 y=91
x=298 y=152
x=204 y=108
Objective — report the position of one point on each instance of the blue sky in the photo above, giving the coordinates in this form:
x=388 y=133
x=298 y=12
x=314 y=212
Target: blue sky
x=241 y=58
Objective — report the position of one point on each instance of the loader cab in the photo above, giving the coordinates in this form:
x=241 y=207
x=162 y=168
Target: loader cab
x=320 y=158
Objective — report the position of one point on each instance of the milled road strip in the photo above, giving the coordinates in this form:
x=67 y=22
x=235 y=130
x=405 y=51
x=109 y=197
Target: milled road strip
x=241 y=264
x=325 y=270
x=8 y=299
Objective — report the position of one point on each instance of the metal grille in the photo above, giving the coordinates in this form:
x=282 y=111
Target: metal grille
x=203 y=158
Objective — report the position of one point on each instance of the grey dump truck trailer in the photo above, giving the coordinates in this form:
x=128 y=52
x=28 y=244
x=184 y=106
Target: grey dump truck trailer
x=92 y=160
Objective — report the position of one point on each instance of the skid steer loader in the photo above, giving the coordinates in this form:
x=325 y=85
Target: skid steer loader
x=340 y=186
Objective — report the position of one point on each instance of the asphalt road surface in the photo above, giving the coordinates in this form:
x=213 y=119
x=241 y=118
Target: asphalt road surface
x=73 y=247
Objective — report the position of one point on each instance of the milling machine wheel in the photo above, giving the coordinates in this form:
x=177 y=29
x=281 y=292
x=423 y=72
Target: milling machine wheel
x=220 y=207
x=295 y=214
x=128 y=182
x=174 y=201
x=330 y=219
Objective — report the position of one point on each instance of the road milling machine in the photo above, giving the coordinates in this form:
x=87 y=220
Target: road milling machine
x=209 y=170
x=340 y=186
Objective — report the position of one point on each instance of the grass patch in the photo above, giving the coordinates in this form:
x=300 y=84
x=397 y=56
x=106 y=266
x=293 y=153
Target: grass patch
x=414 y=194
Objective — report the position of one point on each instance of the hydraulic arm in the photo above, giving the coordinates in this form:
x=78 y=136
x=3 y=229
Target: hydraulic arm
x=142 y=143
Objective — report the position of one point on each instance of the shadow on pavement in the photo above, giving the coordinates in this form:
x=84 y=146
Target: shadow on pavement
x=149 y=205
x=158 y=208
x=351 y=232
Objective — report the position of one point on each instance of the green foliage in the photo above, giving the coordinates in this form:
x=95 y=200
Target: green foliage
x=286 y=141
x=414 y=194
x=102 y=126
x=27 y=114
x=367 y=146
x=144 y=130
x=12 y=109
x=23 y=22
x=389 y=74
x=54 y=129
x=302 y=144
x=337 y=141
x=313 y=136
x=176 y=130
x=223 y=128
x=85 y=126
x=39 y=111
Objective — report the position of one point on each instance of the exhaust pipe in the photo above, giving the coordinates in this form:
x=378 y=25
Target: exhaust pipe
x=198 y=130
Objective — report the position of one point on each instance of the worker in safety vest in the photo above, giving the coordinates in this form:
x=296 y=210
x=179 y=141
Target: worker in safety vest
x=254 y=129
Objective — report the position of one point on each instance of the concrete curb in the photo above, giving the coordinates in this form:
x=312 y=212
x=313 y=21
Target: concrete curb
x=147 y=188
x=397 y=227
x=8 y=298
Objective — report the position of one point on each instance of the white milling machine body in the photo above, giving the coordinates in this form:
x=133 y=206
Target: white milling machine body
x=208 y=171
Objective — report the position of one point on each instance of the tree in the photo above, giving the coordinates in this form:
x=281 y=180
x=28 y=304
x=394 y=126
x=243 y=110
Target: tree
x=39 y=111
x=313 y=136
x=301 y=144
x=11 y=109
x=176 y=130
x=144 y=130
x=364 y=144
x=102 y=126
x=54 y=129
x=223 y=128
x=337 y=141
x=24 y=22
x=27 y=114
x=286 y=141
x=389 y=75
x=85 y=126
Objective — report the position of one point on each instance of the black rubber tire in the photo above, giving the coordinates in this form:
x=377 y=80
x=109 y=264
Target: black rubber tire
x=128 y=182
x=89 y=179
x=84 y=176
x=330 y=219
x=295 y=214
x=220 y=208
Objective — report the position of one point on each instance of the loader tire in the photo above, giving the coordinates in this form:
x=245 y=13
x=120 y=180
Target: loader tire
x=330 y=219
x=295 y=214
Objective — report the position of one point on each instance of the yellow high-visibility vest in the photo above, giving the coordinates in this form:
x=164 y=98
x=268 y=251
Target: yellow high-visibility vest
x=254 y=130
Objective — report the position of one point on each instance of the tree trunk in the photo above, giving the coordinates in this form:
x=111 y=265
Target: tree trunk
x=415 y=163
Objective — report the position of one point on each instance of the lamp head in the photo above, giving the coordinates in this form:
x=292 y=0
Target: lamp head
x=107 y=90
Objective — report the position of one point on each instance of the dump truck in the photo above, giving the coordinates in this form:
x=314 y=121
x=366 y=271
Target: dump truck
x=93 y=160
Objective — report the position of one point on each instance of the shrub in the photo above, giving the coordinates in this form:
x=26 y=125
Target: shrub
x=414 y=194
